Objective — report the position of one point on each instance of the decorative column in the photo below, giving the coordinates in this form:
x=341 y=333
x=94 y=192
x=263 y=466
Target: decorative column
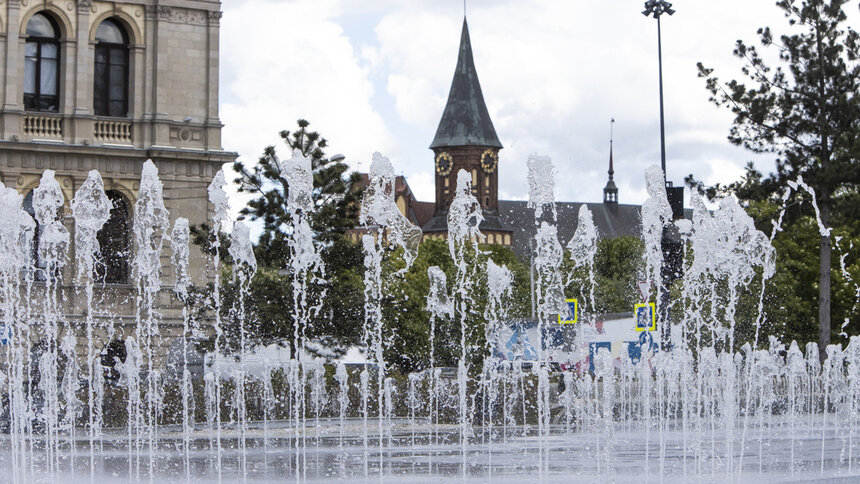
x=149 y=91
x=12 y=110
x=81 y=73
x=213 y=123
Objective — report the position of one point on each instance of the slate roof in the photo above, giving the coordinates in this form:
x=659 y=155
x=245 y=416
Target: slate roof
x=612 y=220
x=465 y=121
x=491 y=223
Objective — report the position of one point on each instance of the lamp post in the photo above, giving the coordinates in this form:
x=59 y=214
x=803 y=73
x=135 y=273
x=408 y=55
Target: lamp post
x=672 y=246
x=657 y=8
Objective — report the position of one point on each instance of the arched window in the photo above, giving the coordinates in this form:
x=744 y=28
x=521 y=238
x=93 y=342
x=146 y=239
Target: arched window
x=114 y=242
x=110 y=84
x=41 y=64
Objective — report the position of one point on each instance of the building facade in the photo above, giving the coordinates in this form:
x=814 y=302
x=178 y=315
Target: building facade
x=107 y=85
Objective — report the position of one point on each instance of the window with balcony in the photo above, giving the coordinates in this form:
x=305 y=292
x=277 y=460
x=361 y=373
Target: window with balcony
x=41 y=64
x=110 y=83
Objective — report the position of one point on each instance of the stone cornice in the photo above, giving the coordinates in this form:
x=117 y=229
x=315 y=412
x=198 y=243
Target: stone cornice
x=128 y=154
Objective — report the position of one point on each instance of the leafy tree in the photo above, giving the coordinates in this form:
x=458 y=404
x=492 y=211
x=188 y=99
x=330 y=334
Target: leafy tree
x=789 y=305
x=616 y=267
x=618 y=262
x=406 y=317
x=336 y=198
x=805 y=110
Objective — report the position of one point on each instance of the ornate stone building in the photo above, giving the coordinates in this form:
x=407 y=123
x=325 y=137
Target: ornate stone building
x=107 y=85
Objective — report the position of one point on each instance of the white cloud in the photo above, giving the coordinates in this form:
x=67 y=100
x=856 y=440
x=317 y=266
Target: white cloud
x=374 y=75
x=422 y=186
x=412 y=96
x=286 y=60
x=723 y=171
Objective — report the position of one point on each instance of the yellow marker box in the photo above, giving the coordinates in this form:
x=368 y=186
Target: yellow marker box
x=573 y=304
x=645 y=316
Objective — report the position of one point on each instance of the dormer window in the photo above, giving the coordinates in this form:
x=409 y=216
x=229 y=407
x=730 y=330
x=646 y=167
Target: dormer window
x=41 y=64
x=110 y=83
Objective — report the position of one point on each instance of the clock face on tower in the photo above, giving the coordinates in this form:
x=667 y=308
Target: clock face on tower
x=489 y=160
x=444 y=164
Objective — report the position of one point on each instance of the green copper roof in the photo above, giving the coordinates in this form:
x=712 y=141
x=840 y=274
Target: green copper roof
x=465 y=121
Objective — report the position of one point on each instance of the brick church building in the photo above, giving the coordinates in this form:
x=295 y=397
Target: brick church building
x=466 y=140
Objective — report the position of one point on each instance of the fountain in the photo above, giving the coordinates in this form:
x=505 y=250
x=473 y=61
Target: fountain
x=694 y=410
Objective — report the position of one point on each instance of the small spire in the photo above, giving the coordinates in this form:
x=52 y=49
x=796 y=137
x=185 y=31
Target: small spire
x=610 y=191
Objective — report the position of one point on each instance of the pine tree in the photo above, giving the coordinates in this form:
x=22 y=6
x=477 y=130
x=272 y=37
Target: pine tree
x=336 y=195
x=805 y=110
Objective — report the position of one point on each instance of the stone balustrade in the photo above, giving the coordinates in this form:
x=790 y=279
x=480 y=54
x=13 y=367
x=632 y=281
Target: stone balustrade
x=44 y=126
x=113 y=131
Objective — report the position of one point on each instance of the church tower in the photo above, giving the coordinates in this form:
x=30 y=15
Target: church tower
x=466 y=140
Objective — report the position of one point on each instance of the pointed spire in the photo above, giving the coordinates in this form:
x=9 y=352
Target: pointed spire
x=610 y=191
x=611 y=129
x=466 y=120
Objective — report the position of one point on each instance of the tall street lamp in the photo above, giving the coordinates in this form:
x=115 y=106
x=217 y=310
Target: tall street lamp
x=672 y=247
x=657 y=8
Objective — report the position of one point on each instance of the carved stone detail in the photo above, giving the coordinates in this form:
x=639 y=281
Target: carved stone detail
x=179 y=15
x=184 y=134
x=157 y=11
x=196 y=17
x=215 y=18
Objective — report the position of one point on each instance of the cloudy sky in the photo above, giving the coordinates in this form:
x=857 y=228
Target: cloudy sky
x=373 y=75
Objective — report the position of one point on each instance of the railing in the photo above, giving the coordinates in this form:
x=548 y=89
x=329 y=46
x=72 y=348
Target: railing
x=43 y=126
x=113 y=131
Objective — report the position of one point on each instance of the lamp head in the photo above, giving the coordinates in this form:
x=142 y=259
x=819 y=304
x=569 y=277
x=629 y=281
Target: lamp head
x=657 y=8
